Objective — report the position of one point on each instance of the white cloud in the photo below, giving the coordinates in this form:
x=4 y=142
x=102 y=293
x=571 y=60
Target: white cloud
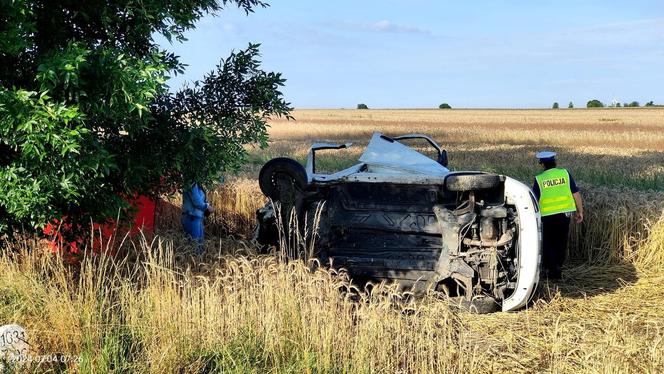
x=388 y=26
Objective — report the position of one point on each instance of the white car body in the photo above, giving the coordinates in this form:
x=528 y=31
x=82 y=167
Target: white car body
x=387 y=162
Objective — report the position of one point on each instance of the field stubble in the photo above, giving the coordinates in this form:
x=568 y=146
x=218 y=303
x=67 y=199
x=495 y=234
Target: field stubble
x=235 y=311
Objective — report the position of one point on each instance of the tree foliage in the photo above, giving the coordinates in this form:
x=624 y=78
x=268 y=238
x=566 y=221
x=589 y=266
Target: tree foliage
x=594 y=104
x=555 y=105
x=87 y=118
x=444 y=106
x=570 y=105
x=362 y=106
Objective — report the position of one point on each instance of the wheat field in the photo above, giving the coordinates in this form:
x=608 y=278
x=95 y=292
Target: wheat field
x=154 y=307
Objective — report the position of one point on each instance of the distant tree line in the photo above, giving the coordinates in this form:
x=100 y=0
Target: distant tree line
x=441 y=106
x=594 y=103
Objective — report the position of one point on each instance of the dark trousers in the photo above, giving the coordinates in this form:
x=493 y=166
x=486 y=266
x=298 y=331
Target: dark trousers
x=555 y=231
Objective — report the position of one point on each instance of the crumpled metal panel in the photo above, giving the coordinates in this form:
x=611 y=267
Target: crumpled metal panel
x=393 y=157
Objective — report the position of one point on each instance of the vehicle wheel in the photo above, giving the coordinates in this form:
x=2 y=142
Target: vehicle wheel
x=479 y=305
x=281 y=177
x=469 y=182
x=266 y=232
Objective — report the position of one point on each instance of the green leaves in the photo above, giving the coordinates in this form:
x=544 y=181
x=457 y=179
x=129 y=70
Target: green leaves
x=225 y=111
x=40 y=134
x=16 y=26
x=86 y=117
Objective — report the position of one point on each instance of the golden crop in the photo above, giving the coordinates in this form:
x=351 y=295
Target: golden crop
x=158 y=309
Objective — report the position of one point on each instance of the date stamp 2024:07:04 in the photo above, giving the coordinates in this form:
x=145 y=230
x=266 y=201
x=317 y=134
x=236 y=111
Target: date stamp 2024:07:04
x=15 y=349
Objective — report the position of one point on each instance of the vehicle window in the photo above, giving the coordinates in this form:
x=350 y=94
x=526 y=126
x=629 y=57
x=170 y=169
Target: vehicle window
x=330 y=161
x=421 y=146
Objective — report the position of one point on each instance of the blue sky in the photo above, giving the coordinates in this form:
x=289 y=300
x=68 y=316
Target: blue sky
x=419 y=53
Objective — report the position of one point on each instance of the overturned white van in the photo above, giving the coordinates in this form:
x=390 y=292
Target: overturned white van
x=400 y=216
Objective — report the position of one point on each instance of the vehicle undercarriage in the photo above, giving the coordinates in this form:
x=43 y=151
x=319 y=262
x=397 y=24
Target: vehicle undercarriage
x=454 y=232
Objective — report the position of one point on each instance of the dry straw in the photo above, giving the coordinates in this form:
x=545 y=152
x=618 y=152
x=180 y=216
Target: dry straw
x=159 y=312
x=155 y=308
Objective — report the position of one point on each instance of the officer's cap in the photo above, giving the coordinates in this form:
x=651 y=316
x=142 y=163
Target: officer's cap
x=546 y=156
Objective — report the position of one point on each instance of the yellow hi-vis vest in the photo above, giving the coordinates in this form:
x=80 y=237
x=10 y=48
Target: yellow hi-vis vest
x=555 y=192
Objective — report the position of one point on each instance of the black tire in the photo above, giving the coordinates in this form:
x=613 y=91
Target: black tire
x=273 y=174
x=479 y=305
x=470 y=182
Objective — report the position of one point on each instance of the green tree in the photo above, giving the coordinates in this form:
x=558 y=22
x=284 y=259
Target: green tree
x=362 y=106
x=650 y=103
x=555 y=105
x=570 y=105
x=444 y=106
x=634 y=104
x=594 y=104
x=617 y=105
x=86 y=117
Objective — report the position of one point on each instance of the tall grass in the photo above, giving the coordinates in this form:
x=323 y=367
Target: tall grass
x=160 y=312
x=617 y=224
x=156 y=308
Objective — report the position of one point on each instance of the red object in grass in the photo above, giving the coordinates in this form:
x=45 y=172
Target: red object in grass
x=144 y=218
x=143 y=221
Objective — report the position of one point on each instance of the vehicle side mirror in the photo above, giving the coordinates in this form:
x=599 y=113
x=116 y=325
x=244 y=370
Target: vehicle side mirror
x=442 y=158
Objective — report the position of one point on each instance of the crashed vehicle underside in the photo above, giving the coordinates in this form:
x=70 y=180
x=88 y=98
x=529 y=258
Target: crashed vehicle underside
x=403 y=217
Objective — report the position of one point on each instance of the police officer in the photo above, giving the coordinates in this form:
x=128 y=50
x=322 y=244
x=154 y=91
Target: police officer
x=559 y=198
